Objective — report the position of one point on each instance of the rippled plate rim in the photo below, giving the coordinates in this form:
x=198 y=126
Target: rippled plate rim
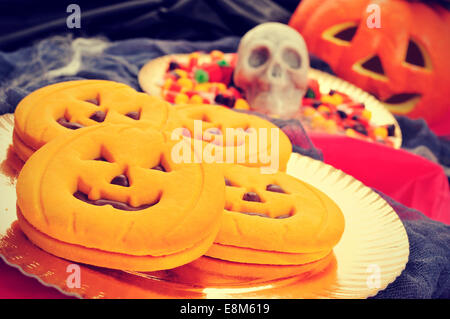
x=311 y=171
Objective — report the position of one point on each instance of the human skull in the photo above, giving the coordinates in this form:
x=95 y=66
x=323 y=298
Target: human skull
x=272 y=69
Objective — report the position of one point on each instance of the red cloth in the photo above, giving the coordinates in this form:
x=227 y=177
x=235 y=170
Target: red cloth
x=408 y=178
x=15 y=285
x=442 y=127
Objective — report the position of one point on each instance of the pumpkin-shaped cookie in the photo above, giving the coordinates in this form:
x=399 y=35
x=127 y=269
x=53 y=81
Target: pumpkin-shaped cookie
x=221 y=135
x=111 y=196
x=275 y=219
x=213 y=271
x=63 y=107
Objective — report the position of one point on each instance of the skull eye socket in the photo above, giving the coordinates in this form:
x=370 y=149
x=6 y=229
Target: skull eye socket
x=341 y=34
x=417 y=56
x=292 y=58
x=258 y=57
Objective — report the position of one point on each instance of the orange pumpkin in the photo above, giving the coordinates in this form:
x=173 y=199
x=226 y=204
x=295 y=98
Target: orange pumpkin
x=403 y=60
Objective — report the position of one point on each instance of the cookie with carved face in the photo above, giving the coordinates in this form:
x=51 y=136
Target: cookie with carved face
x=275 y=219
x=112 y=196
x=64 y=107
x=221 y=135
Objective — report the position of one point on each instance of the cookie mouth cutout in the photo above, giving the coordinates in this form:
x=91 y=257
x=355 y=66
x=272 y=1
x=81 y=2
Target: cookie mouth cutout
x=114 y=203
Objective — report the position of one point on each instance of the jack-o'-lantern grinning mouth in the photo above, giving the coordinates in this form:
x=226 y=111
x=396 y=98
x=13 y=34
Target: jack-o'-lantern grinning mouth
x=266 y=215
x=402 y=103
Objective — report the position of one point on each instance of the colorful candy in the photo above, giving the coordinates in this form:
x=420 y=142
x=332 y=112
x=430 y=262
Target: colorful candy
x=207 y=82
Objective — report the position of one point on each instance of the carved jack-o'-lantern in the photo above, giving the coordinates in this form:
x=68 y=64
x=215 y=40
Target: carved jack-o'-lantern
x=400 y=56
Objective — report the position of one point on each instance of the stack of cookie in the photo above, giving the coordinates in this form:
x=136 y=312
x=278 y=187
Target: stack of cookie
x=119 y=179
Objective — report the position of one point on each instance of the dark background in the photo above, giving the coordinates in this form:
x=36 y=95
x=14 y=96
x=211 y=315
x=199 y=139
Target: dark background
x=22 y=22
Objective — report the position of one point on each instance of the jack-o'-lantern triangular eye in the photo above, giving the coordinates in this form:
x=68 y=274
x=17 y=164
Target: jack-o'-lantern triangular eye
x=374 y=65
x=341 y=34
x=417 y=56
x=371 y=67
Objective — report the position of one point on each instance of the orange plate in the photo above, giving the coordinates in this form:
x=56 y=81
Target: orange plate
x=373 y=250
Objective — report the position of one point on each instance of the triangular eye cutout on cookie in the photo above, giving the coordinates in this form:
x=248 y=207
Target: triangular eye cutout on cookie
x=252 y=197
x=371 y=67
x=98 y=116
x=275 y=188
x=416 y=56
x=63 y=121
x=230 y=183
x=162 y=166
x=121 y=180
x=341 y=34
x=95 y=100
x=134 y=115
